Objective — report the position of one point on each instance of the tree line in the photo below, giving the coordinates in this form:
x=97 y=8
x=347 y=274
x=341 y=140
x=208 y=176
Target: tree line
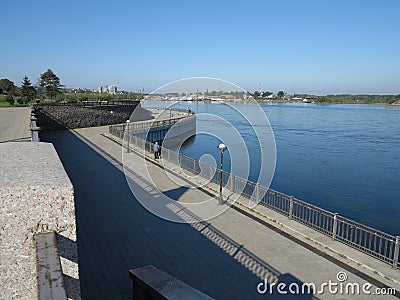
x=49 y=88
x=258 y=94
x=49 y=85
x=348 y=98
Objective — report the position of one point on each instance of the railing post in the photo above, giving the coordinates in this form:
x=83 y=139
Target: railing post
x=232 y=182
x=128 y=148
x=290 y=208
x=257 y=193
x=168 y=155
x=334 y=228
x=396 y=252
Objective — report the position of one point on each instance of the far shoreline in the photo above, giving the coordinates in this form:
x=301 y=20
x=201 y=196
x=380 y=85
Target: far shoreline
x=329 y=103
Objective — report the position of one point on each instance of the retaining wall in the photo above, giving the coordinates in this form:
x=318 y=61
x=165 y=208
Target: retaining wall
x=54 y=117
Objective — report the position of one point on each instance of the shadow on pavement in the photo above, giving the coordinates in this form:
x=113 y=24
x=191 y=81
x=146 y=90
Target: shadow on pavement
x=177 y=193
x=116 y=234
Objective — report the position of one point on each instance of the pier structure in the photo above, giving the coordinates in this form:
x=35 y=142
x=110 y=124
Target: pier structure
x=171 y=124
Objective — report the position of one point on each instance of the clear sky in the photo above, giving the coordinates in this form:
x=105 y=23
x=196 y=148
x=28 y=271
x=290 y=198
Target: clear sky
x=310 y=46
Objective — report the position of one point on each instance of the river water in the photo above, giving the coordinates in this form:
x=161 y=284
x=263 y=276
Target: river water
x=343 y=158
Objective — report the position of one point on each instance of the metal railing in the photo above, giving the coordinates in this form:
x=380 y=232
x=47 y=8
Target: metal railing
x=100 y=103
x=92 y=103
x=375 y=243
x=118 y=130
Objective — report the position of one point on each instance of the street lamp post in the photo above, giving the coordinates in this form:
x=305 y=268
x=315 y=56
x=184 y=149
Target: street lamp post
x=222 y=148
x=127 y=126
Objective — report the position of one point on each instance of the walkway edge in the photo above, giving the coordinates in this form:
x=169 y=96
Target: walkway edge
x=273 y=222
x=318 y=243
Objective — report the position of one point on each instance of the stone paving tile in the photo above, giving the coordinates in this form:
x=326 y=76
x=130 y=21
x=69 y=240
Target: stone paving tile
x=105 y=207
x=115 y=234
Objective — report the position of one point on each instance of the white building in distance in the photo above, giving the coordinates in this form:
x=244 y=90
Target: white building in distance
x=110 y=89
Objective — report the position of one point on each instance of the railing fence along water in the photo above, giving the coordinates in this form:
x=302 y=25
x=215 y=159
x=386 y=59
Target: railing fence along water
x=378 y=244
x=118 y=130
x=95 y=103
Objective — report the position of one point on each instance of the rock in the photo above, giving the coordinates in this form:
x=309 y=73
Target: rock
x=56 y=116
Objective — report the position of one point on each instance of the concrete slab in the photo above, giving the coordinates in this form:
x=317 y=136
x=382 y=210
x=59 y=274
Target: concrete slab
x=36 y=195
x=152 y=283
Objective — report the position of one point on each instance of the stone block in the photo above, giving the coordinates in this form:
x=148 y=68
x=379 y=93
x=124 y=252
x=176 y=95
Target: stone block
x=36 y=196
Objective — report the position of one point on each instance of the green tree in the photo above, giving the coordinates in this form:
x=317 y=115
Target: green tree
x=10 y=99
x=256 y=94
x=7 y=86
x=27 y=90
x=266 y=94
x=281 y=94
x=51 y=83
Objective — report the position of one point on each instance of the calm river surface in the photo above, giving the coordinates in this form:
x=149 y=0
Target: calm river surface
x=343 y=158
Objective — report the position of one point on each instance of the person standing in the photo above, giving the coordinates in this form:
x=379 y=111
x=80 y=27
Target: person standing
x=156 y=148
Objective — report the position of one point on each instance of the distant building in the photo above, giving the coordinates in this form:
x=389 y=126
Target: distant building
x=78 y=90
x=111 y=89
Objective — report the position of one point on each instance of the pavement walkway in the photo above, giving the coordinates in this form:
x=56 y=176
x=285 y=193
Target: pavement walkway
x=227 y=257
x=15 y=124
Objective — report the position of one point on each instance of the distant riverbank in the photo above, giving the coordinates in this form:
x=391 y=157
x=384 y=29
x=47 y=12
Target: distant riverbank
x=396 y=104
x=337 y=99
x=343 y=158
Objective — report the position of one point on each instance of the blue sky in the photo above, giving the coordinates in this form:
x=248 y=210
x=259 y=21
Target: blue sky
x=320 y=47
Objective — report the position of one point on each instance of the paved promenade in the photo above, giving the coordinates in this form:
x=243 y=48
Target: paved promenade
x=225 y=258
x=15 y=124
